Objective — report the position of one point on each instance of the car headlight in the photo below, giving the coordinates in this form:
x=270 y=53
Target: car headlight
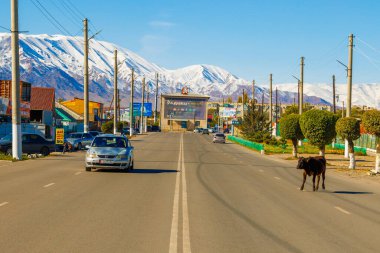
x=91 y=155
x=123 y=156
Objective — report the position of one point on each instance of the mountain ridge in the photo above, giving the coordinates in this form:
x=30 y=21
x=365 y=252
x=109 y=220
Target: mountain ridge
x=57 y=61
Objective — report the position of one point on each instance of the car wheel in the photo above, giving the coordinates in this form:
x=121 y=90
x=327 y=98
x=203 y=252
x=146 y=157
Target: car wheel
x=45 y=151
x=9 y=152
x=79 y=146
x=88 y=168
x=131 y=165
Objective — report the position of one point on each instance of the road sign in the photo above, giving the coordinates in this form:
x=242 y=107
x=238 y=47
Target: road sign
x=147 y=109
x=59 y=136
x=235 y=122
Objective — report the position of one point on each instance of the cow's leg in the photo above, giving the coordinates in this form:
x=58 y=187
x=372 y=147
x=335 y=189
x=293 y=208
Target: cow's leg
x=314 y=182
x=323 y=179
x=319 y=178
x=304 y=180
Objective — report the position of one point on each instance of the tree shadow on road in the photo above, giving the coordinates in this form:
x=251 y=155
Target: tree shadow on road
x=351 y=192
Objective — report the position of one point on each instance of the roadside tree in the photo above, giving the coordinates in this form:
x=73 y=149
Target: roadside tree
x=349 y=129
x=371 y=123
x=290 y=129
x=319 y=128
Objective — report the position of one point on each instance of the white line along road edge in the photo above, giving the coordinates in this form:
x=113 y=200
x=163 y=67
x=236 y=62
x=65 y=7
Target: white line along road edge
x=173 y=246
x=48 y=185
x=342 y=210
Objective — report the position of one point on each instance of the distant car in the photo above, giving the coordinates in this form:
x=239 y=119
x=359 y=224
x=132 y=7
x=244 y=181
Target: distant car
x=226 y=131
x=153 y=129
x=31 y=144
x=94 y=133
x=125 y=131
x=79 y=140
x=219 y=137
x=198 y=130
x=205 y=131
x=110 y=151
x=211 y=130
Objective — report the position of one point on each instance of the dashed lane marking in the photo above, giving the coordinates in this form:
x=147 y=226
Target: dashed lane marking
x=342 y=210
x=277 y=178
x=48 y=185
x=77 y=173
x=3 y=204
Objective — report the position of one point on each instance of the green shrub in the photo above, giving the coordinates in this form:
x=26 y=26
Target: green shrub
x=318 y=127
x=290 y=129
x=371 y=122
x=108 y=127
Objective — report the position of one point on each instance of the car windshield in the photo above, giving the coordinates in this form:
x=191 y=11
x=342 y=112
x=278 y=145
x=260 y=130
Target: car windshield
x=7 y=138
x=111 y=142
x=94 y=133
x=219 y=135
x=75 y=136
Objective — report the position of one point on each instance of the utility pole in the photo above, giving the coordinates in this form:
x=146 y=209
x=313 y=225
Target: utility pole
x=349 y=74
x=301 y=86
x=16 y=115
x=242 y=103
x=131 y=126
x=155 y=100
x=85 y=85
x=253 y=91
x=276 y=109
x=262 y=104
x=334 y=105
x=115 y=94
x=342 y=109
x=270 y=102
x=142 y=106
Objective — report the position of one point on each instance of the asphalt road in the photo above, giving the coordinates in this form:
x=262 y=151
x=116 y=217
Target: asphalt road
x=185 y=195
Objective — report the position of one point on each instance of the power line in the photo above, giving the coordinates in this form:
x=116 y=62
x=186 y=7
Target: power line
x=70 y=10
x=50 y=17
x=72 y=19
x=368 y=45
x=370 y=60
x=5 y=28
x=76 y=9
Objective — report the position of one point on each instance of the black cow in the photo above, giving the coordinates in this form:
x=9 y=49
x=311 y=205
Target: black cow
x=313 y=166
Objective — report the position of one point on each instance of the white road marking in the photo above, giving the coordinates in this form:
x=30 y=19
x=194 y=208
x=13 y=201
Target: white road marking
x=77 y=173
x=174 y=228
x=3 y=204
x=277 y=178
x=185 y=211
x=261 y=170
x=342 y=210
x=48 y=185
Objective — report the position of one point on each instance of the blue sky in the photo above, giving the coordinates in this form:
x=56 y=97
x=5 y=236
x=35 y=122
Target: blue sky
x=247 y=37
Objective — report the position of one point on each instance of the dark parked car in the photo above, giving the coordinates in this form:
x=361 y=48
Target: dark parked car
x=205 y=131
x=94 y=133
x=31 y=144
x=153 y=129
x=226 y=131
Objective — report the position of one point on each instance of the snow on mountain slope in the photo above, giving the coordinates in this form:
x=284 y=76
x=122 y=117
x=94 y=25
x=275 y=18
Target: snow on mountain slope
x=57 y=61
x=362 y=94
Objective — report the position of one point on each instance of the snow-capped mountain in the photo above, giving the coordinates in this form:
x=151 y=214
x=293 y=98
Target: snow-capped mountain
x=362 y=94
x=57 y=61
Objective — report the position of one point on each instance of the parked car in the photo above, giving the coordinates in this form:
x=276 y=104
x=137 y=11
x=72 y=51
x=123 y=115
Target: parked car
x=205 y=131
x=153 y=129
x=110 y=151
x=219 y=137
x=31 y=144
x=79 y=140
x=211 y=130
x=226 y=131
x=198 y=130
x=125 y=131
x=94 y=133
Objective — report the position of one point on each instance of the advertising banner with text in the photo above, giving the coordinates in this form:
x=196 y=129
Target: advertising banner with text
x=185 y=109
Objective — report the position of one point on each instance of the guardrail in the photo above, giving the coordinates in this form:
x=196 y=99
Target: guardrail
x=246 y=143
x=356 y=149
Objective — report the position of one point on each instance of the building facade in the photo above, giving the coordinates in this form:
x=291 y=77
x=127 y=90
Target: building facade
x=183 y=112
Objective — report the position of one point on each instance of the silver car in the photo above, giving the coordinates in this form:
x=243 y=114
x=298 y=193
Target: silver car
x=219 y=137
x=79 y=140
x=110 y=151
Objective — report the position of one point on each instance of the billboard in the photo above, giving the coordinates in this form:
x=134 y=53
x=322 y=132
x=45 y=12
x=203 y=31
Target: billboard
x=227 y=112
x=147 y=109
x=6 y=108
x=185 y=109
